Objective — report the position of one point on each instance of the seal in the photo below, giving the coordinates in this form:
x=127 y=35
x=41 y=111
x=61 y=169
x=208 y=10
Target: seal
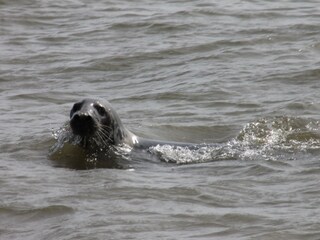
x=97 y=123
x=94 y=137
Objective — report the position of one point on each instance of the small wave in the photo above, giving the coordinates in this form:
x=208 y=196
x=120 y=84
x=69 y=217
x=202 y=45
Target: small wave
x=265 y=139
x=286 y=133
x=181 y=155
x=62 y=136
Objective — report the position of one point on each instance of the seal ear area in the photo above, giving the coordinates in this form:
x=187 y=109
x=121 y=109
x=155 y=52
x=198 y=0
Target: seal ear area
x=120 y=134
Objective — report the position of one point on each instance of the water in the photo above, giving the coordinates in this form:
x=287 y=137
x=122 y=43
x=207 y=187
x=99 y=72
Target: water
x=240 y=74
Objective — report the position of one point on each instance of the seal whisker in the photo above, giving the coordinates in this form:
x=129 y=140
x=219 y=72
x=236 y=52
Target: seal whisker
x=103 y=136
x=100 y=140
x=96 y=138
x=104 y=133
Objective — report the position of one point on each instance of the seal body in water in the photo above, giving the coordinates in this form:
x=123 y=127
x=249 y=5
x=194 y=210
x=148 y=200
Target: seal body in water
x=97 y=123
x=95 y=137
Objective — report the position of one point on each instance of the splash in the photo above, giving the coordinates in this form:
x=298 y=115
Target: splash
x=181 y=155
x=62 y=136
x=282 y=133
x=264 y=139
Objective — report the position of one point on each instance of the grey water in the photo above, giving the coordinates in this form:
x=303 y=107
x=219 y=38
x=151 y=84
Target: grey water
x=240 y=74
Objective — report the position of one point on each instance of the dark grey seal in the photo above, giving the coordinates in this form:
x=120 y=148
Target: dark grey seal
x=95 y=137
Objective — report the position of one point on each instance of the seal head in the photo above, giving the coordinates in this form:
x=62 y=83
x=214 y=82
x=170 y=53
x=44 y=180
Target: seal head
x=94 y=120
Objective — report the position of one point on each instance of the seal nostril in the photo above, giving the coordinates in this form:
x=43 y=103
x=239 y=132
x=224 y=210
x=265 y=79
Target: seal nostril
x=75 y=117
x=82 y=124
x=87 y=118
x=82 y=117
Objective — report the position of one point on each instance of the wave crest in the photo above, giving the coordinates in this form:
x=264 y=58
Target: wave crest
x=264 y=139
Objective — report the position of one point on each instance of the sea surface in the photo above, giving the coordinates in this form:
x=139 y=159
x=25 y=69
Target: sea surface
x=241 y=75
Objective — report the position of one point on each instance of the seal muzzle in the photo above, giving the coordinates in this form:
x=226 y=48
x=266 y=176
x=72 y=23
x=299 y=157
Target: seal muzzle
x=83 y=124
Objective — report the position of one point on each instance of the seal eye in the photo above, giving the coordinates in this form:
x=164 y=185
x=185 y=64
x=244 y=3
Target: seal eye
x=100 y=110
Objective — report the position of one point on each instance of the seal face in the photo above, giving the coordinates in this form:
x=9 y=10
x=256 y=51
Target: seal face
x=94 y=120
